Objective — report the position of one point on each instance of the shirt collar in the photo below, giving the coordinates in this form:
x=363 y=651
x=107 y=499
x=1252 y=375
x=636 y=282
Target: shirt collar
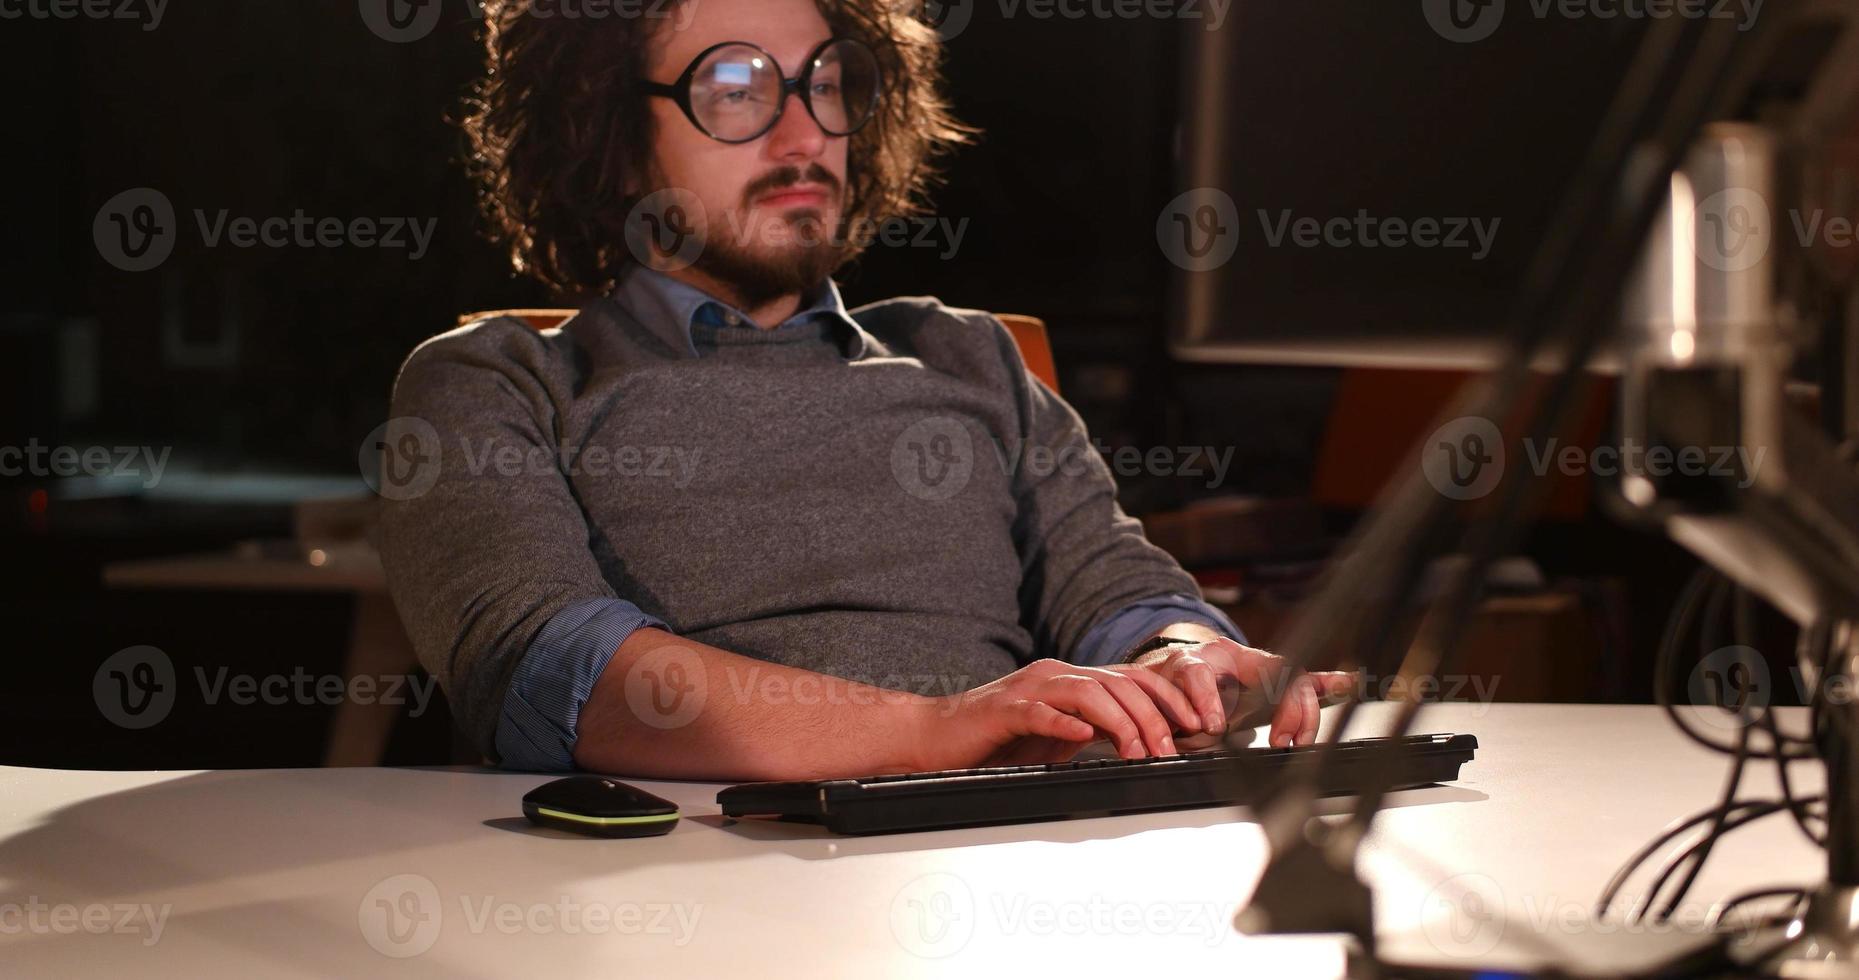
x=669 y=307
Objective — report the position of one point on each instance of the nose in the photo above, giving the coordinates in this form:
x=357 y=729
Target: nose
x=796 y=136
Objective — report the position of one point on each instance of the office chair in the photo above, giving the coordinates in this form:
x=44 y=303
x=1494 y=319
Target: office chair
x=1029 y=334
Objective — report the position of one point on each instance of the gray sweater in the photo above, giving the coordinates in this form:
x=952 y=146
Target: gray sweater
x=900 y=504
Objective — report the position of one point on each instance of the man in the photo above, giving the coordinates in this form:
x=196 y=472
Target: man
x=718 y=527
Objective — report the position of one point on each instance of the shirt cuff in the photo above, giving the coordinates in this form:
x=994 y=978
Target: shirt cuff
x=556 y=677
x=1109 y=641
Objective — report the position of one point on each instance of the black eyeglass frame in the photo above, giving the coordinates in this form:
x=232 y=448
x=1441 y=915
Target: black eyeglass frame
x=799 y=86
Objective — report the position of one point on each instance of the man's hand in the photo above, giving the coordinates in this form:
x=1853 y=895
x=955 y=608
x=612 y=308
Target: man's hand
x=1201 y=671
x=1048 y=710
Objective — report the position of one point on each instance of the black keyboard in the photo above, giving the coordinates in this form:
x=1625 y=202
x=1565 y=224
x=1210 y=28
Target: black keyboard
x=1095 y=787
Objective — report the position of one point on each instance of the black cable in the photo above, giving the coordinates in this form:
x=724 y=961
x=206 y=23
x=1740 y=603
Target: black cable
x=1703 y=848
x=1701 y=851
x=1745 y=633
x=1708 y=592
x=1745 y=808
x=1724 y=907
x=1683 y=613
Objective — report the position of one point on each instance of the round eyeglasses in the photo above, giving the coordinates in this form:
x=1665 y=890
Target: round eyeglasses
x=735 y=92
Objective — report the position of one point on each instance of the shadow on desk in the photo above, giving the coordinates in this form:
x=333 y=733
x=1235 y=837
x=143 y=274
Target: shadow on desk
x=227 y=849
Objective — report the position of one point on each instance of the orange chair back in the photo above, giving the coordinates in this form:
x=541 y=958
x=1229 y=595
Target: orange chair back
x=1029 y=333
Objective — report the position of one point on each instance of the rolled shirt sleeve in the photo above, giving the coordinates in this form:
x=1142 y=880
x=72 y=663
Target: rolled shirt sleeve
x=542 y=705
x=1111 y=640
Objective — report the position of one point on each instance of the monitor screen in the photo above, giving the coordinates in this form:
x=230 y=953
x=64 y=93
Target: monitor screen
x=1366 y=183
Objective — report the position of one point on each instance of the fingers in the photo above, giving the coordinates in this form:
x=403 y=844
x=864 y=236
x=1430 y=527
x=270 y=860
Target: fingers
x=1114 y=705
x=1298 y=715
x=1334 y=686
x=1312 y=692
x=1313 y=712
x=1041 y=719
x=1166 y=687
x=1087 y=698
x=1200 y=682
x=1138 y=699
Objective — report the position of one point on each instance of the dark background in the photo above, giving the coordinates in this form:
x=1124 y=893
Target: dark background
x=277 y=362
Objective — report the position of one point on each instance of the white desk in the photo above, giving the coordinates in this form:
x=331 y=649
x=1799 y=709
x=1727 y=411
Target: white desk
x=280 y=873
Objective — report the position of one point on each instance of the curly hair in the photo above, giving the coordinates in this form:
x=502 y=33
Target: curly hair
x=558 y=130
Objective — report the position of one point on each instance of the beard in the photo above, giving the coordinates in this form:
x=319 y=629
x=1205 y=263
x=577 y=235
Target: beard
x=806 y=252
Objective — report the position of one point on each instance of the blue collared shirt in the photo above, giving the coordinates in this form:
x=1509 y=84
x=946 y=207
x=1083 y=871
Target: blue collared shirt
x=556 y=675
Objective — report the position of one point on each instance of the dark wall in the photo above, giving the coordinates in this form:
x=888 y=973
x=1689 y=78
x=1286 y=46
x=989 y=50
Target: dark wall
x=263 y=110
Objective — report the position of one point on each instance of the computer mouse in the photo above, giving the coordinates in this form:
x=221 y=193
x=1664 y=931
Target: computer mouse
x=599 y=807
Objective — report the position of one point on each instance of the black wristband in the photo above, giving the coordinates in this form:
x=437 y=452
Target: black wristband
x=1157 y=643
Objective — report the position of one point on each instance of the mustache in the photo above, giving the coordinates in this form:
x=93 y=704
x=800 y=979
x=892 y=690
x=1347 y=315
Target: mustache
x=785 y=177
